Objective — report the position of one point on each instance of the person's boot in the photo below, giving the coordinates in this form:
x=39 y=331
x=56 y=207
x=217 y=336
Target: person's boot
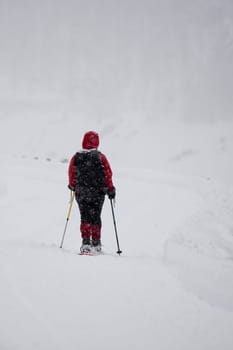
x=96 y=244
x=86 y=246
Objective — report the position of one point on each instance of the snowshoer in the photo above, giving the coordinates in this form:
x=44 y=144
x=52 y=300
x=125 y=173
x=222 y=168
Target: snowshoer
x=90 y=176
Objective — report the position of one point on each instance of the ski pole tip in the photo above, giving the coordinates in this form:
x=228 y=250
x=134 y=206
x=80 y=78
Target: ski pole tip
x=119 y=252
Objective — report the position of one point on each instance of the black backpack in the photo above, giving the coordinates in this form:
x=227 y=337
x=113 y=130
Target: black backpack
x=90 y=173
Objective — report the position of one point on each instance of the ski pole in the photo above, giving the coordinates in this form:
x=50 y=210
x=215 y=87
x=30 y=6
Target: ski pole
x=114 y=222
x=68 y=216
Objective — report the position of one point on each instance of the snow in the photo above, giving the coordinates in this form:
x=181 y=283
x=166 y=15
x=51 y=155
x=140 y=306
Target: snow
x=172 y=286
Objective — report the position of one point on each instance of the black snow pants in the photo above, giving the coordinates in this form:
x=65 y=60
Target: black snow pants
x=90 y=207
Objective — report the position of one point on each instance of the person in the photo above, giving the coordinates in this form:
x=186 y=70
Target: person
x=90 y=177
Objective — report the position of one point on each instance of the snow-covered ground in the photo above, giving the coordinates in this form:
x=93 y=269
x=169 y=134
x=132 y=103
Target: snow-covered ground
x=173 y=284
x=154 y=78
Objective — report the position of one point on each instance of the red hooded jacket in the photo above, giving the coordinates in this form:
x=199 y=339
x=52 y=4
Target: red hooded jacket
x=91 y=141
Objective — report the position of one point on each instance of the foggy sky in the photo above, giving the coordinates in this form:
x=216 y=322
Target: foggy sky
x=154 y=58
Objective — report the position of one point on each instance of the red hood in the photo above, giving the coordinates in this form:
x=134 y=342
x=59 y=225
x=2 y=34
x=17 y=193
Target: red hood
x=90 y=140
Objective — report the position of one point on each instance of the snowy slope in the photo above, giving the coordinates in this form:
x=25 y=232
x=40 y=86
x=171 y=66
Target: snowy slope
x=154 y=78
x=172 y=285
